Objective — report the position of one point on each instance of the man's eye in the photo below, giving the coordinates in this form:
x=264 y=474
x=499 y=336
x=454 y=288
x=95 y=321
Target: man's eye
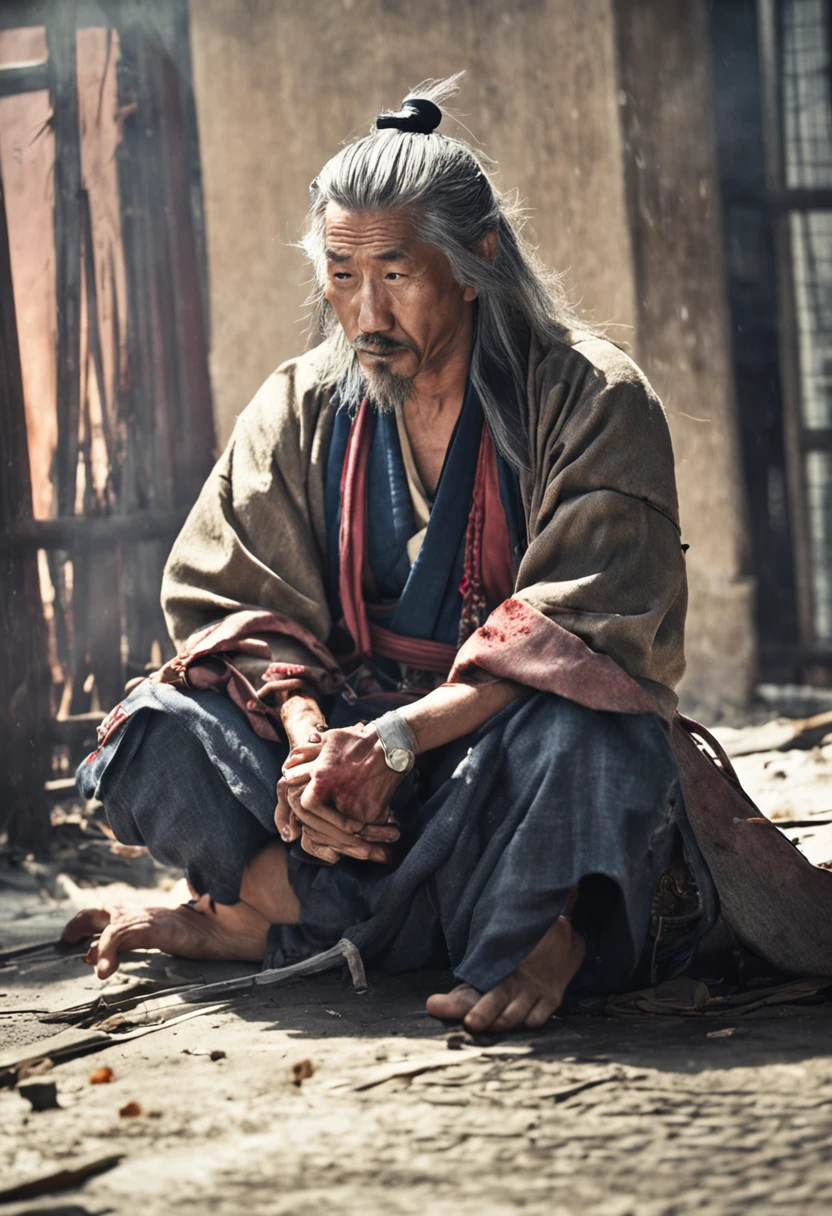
x=393 y=274
x=342 y=274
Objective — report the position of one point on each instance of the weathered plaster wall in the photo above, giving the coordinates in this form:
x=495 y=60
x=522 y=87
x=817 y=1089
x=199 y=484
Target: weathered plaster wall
x=602 y=128
x=281 y=83
x=682 y=326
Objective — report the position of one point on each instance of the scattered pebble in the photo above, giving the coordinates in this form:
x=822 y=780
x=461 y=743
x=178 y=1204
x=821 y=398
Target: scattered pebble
x=301 y=1072
x=102 y=1076
x=41 y=1095
x=458 y=1039
x=35 y=1070
x=130 y=1110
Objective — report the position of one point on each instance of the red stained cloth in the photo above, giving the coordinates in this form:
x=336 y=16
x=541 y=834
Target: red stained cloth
x=521 y=644
x=488 y=564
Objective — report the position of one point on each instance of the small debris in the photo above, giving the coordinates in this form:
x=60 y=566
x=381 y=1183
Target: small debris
x=217 y=1054
x=406 y=1070
x=128 y=850
x=458 y=1039
x=62 y=1180
x=333 y=1013
x=130 y=1111
x=42 y=1095
x=35 y=1070
x=302 y=1071
x=725 y=1033
x=102 y=1076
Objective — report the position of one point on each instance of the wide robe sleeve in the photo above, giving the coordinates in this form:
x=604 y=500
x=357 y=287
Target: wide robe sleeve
x=605 y=563
x=255 y=538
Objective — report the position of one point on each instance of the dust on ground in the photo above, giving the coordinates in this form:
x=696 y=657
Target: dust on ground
x=312 y=1097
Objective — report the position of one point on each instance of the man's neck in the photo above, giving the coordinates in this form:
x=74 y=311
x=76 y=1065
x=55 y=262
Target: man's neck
x=433 y=407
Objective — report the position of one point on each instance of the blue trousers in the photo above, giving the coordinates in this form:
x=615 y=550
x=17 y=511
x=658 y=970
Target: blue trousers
x=497 y=828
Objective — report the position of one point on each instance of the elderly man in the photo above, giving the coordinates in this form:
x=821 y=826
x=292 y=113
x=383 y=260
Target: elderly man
x=433 y=593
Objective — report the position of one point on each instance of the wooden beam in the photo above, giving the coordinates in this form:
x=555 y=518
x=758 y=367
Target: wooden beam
x=194 y=453
x=104 y=602
x=78 y=733
x=797 y=656
x=152 y=389
x=817 y=439
x=24 y=665
x=23 y=78
x=181 y=52
x=63 y=84
x=15 y=14
x=801 y=199
x=76 y=533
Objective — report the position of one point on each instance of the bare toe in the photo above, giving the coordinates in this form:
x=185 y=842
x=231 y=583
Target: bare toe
x=540 y=1014
x=515 y=1013
x=489 y=1009
x=454 y=1005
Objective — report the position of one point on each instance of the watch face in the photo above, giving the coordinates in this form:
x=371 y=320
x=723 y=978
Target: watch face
x=399 y=759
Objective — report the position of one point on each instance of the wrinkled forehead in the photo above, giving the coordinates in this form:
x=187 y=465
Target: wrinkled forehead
x=375 y=232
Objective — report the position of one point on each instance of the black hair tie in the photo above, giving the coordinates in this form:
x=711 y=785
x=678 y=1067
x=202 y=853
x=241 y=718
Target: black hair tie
x=417 y=114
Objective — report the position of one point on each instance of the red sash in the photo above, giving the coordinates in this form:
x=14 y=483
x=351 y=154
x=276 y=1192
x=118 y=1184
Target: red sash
x=488 y=571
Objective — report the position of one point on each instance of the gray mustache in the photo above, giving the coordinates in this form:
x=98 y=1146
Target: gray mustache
x=378 y=342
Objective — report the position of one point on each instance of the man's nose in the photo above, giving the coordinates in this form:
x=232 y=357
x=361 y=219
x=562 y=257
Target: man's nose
x=374 y=315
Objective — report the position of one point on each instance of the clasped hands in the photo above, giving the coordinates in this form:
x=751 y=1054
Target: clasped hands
x=335 y=795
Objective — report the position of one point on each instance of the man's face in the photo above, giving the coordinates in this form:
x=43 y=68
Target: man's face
x=395 y=298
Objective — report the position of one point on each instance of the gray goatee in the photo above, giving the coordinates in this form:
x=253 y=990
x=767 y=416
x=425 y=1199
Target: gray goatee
x=388 y=390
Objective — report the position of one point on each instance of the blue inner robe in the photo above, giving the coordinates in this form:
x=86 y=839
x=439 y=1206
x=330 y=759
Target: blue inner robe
x=426 y=597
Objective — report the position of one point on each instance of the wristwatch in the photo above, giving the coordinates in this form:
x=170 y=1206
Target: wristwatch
x=397 y=740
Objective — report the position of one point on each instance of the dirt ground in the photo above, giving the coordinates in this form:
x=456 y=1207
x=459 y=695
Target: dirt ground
x=620 y=1115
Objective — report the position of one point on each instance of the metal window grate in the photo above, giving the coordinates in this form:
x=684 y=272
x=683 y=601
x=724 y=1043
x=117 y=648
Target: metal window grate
x=811 y=241
x=819 y=502
x=805 y=170
x=807 y=102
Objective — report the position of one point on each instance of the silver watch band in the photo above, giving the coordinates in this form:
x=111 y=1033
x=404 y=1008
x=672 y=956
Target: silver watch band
x=397 y=740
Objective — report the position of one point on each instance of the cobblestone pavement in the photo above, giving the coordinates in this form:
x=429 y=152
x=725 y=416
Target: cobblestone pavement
x=620 y=1116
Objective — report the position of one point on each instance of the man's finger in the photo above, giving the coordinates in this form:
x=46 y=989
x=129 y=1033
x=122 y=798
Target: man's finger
x=284 y=819
x=85 y=924
x=304 y=753
x=311 y=801
x=298 y=774
x=322 y=852
x=387 y=832
x=357 y=849
x=382 y=833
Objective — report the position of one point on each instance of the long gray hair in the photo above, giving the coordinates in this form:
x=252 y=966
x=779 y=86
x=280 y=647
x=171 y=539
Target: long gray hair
x=446 y=185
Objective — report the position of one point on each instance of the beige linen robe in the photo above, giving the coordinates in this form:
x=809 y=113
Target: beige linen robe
x=604 y=560
x=597 y=615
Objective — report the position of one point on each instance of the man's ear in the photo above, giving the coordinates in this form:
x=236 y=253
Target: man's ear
x=488 y=246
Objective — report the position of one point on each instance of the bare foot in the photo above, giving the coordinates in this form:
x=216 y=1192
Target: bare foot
x=201 y=930
x=527 y=997
x=204 y=929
